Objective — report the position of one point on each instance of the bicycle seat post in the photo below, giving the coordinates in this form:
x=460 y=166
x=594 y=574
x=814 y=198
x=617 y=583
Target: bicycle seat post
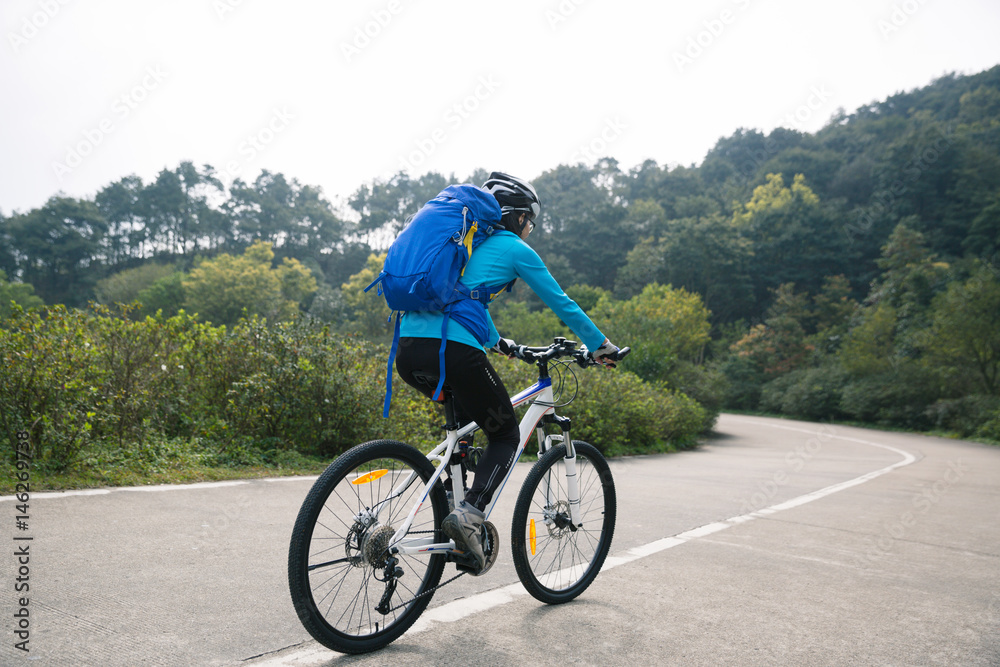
x=451 y=423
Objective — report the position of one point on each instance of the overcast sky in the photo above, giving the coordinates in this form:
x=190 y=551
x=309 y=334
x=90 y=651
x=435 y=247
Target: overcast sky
x=336 y=94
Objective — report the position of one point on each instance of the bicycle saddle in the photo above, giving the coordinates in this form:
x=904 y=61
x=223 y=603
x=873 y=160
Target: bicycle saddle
x=431 y=380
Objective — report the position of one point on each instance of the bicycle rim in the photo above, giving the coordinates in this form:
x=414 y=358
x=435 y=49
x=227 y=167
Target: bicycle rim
x=338 y=557
x=554 y=562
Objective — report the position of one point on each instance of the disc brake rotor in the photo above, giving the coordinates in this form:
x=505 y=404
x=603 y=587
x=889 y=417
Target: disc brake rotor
x=557 y=519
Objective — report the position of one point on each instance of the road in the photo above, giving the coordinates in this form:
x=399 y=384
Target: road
x=775 y=543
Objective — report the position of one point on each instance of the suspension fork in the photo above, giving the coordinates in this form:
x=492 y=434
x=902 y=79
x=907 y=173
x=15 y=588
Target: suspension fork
x=572 y=481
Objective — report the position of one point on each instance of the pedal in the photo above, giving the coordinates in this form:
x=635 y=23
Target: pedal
x=490 y=539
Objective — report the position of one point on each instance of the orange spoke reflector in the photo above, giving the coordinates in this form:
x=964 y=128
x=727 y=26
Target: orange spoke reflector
x=531 y=537
x=370 y=477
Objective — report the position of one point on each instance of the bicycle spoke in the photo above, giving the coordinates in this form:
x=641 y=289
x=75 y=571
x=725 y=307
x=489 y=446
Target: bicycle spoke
x=341 y=561
x=563 y=558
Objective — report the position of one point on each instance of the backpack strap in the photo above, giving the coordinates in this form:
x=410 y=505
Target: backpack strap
x=378 y=280
x=485 y=293
x=437 y=396
x=388 y=371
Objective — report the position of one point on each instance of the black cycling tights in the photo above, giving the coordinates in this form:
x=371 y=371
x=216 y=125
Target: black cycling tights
x=479 y=396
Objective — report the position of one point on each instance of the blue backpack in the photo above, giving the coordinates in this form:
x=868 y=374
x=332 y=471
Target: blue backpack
x=424 y=264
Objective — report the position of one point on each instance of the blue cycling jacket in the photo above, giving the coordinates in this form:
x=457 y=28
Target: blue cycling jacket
x=498 y=260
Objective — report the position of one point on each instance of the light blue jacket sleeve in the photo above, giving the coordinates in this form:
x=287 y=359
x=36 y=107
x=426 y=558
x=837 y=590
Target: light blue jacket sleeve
x=530 y=268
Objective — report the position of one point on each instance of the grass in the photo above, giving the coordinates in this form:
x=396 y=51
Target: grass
x=162 y=462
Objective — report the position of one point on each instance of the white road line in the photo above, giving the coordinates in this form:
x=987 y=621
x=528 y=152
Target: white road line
x=465 y=607
x=101 y=492
x=161 y=487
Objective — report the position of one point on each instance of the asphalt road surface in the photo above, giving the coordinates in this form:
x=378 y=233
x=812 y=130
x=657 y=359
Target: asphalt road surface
x=775 y=543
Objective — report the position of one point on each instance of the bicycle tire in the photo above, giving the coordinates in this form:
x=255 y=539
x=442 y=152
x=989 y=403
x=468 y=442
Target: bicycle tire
x=563 y=562
x=336 y=603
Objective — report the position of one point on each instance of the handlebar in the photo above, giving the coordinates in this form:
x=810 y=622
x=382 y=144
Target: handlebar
x=561 y=347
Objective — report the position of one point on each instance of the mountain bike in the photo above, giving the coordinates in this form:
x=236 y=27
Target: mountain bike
x=367 y=551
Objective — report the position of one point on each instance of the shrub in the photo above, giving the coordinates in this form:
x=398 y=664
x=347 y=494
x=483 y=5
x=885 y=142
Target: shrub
x=745 y=381
x=96 y=388
x=810 y=393
x=618 y=412
x=964 y=416
x=899 y=397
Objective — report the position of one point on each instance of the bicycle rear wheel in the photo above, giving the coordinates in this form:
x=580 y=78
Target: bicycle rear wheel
x=339 y=569
x=554 y=561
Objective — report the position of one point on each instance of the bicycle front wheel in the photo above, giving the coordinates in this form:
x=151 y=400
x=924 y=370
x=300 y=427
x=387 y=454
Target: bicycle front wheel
x=555 y=560
x=341 y=576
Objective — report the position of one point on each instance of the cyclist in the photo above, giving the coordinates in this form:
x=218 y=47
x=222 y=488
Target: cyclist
x=478 y=392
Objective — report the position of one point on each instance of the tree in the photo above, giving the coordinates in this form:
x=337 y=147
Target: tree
x=983 y=239
x=220 y=289
x=794 y=238
x=778 y=345
x=59 y=248
x=125 y=286
x=708 y=255
x=664 y=326
x=178 y=214
x=831 y=313
x=166 y=294
x=17 y=293
x=583 y=220
x=911 y=276
x=127 y=233
x=963 y=341
x=368 y=312
x=386 y=205
x=870 y=347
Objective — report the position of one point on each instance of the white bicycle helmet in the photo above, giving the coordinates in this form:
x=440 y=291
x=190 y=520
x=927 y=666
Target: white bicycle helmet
x=514 y=196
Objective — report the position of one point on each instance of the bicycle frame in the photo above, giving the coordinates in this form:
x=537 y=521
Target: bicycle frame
x=541 y=398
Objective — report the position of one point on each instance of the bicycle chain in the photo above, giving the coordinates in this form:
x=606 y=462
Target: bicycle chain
x=426 y=593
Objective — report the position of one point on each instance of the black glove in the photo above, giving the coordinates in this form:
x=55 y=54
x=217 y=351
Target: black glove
x=606 y=354
x=508 y=348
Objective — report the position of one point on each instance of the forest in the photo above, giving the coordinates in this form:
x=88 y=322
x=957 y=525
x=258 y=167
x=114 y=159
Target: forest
x=848 y=274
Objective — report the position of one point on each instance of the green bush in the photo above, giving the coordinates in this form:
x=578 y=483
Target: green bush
x=990 y=429
x=810 y=393
x=772 y=394
x=899 y=397
x=745 y=381
x=965 y=416
x=615 y=410
x=103 y=389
